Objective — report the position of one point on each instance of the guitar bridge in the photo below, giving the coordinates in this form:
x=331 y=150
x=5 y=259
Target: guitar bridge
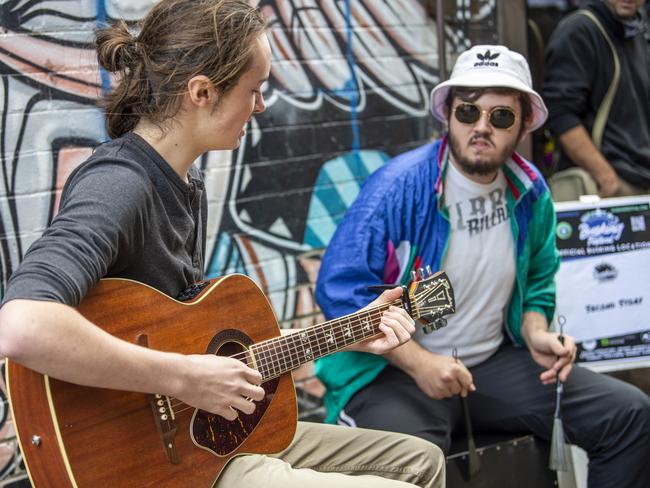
x=163 y=416
x=166 y=423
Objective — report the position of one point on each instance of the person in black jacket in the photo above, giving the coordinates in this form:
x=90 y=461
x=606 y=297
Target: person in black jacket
x=579 y=69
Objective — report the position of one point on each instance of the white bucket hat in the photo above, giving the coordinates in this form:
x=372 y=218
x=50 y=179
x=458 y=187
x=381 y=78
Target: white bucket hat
x=490 y=66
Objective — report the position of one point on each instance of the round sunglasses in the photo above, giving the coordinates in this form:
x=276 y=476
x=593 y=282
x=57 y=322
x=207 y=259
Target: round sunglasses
x=499 y=117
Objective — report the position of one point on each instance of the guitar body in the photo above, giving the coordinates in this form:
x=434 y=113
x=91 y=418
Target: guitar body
x=75 y=436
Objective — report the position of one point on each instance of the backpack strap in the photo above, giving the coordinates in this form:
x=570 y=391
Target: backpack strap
x=606 y=104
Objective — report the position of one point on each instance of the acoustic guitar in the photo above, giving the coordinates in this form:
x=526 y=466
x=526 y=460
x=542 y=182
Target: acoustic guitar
x=77 y=436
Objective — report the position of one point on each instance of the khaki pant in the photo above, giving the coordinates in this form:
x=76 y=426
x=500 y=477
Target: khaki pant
x=570 y=184
x=323 y=456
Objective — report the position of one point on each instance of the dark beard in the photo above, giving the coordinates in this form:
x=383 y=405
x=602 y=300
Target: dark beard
x=480 y=167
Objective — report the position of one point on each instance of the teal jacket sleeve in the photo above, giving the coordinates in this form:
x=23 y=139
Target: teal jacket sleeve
x=539 y=291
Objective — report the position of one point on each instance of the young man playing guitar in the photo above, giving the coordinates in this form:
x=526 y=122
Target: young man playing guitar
x=189 y=83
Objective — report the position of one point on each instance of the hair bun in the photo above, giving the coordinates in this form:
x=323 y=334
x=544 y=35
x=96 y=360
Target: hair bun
x=116 y=49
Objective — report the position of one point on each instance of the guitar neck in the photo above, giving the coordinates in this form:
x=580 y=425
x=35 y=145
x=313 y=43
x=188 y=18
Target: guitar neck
x=286 y=353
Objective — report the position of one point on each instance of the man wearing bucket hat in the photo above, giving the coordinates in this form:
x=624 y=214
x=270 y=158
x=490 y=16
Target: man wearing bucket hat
x=469 y=204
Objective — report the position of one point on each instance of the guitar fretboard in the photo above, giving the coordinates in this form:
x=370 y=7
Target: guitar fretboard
x=282 y=354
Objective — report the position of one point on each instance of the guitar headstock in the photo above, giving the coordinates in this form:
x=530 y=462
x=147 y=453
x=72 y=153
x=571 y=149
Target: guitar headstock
x=433 y=297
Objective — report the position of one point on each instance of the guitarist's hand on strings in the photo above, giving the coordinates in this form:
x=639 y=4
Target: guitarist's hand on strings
x=220 y=385
x=396 y=324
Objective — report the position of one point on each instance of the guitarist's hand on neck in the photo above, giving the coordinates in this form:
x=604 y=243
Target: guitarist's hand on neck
x=397 y=326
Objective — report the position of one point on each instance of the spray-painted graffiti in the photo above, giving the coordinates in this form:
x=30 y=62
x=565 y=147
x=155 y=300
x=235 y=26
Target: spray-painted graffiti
x=348 y=89
x=11 y=465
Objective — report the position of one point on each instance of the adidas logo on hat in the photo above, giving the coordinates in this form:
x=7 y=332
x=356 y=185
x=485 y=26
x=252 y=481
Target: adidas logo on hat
x=486 y=59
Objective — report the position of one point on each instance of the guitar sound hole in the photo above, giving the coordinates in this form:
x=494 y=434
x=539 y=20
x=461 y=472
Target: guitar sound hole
x=215 y=433
x=230 y=349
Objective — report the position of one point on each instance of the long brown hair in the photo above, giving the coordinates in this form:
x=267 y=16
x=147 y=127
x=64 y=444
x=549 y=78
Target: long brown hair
x=178 y=39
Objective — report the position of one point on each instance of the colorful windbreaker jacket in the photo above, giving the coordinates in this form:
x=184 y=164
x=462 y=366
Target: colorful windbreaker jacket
x=397 y=224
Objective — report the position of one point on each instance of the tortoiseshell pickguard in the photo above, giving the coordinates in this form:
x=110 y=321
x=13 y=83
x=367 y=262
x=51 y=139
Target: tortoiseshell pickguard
x=222 y=436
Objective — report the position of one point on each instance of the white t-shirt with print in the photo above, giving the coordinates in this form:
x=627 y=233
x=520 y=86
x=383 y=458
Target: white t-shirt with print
x=480 y=263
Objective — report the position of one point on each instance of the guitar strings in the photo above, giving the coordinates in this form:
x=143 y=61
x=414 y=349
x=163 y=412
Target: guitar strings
x=273 y=355
x=354 y=324
x=357 y=317
x=335 y=326
x=330 y=323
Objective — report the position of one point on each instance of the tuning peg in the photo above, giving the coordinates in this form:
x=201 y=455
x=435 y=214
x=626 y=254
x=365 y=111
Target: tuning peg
x=414 y=276
x=438 y=323
x=421 y=273
x=429 y=273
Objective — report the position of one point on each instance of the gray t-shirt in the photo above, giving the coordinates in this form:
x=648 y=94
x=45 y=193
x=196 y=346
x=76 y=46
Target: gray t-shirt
x=480 y=262
x=124 y=213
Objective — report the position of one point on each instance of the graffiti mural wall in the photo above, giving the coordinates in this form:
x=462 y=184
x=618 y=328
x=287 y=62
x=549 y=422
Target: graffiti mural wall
x=348 y=90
